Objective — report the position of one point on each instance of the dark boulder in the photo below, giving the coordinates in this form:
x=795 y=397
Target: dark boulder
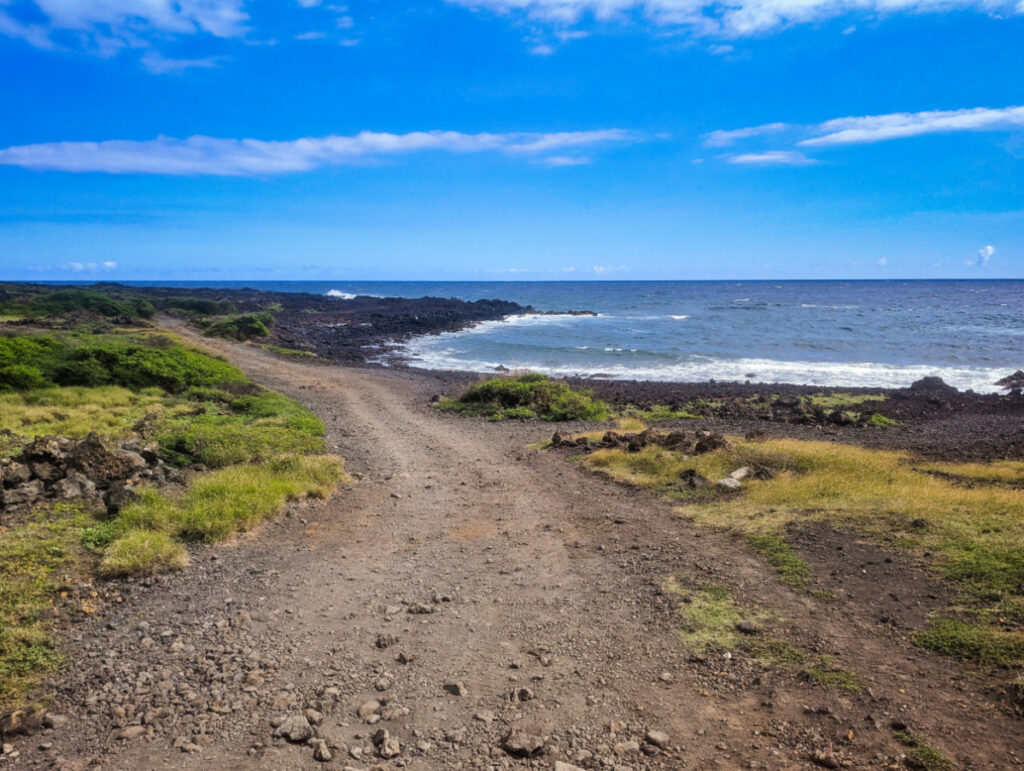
x=674 y=440
x=94 y=457
x=933 y=385
x=694 y=480
x=708 y=441
x=1013 y=383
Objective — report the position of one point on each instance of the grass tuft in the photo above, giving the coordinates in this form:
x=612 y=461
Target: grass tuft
x=927 y=757
x=793 y=570
x=142 y=551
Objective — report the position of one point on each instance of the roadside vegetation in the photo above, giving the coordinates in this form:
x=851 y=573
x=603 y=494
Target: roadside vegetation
x=525 y=397
x=971 y=534
x=246 y=452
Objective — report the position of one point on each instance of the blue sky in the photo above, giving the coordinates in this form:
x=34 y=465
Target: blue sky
x=511 y=139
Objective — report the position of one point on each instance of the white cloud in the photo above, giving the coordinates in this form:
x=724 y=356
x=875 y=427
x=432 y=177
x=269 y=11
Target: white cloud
x=311 y=36
x=879 y=128
x=984 y=255
x=90 y=267
x=159 y=65
x=565 y=160
x=735 y=19
x=773 y=158
x=201 y=155
x=882 y=262
x=309 y=3
x=106 y=27
x=345 y=22
x=725 y=138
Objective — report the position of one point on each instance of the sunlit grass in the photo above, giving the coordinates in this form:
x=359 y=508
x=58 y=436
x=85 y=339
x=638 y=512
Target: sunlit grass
x=971 y=534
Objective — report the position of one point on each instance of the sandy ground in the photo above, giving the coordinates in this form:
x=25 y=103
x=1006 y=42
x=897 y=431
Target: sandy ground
x=534 y=586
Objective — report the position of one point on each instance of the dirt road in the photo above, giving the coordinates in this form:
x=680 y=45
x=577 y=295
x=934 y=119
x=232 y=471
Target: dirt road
x=474 y=588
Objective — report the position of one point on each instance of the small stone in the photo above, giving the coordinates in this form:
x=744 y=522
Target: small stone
x=405 y=658
x=418 y=608
x=383 y=684
x=392 y=610
x=728 y=483
x=386 y=640
x=520 y=744
x=666 y=677
x=485 y=716
x=563 y=766
x=321 y=752
x=8 y=748
x=521 y=694
x=389 y=748
x=456 y=689
x=825 y=759
x=657 y=738
x=295 y=728
x=627 y=748
x=132 y=732
x=740 y=473
x=368 y=709
x=314 y=717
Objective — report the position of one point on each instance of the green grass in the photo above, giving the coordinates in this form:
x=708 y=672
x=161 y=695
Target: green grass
x=841 y=400
x=928 y=757
x=777 y=652
x=251 y=428
x=792 y=569
x=708 y=616
x=526 y=397
x=972 y=641
x=658 y=412
x=281 y=351
x=1006 y=472
x=881 y=421
x=827 y=675
x=142 y=551
x=33 y=559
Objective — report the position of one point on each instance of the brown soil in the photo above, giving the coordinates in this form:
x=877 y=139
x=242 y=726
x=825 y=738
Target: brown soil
x=538 y=575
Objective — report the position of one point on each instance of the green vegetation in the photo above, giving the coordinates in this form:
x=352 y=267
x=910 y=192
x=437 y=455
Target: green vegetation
x=33 y=559
x=972 y=641
x=841 y=400
x=709 y=617
x=658 y=412
x=793 y=570
x=143 y=551
x=196 y=306
x=287 y=351
x=130 y=361
x=526 y=397
x=266 y=449
x=972 y=534
x=245 y=326
x=43 y=303
x=230 y=430
x=926 y=756
x=827 y=675
x=777 y=652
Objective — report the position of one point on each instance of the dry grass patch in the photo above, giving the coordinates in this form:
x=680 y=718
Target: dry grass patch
x=971 y=534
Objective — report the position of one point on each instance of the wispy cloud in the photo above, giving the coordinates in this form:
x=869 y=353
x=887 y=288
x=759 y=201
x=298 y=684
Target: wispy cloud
x=728 y=137
x=735 y=19
x=201 y=155
x=984 y=255
x=772 y=158
x=866 y=129
x=91 y=267
x=879 y=128
x=159 y=64
x=114 y=23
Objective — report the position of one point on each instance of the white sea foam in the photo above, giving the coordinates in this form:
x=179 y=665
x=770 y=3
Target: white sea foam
x=679 y=318
x=421 y=353
x=339 y=295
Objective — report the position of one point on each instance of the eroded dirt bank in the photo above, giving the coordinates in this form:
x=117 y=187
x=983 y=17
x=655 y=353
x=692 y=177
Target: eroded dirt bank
x=475 y=589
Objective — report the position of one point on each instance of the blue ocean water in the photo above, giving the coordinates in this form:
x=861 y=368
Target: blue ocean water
x=844 y=333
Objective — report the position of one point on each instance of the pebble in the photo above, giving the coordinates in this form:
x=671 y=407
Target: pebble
x=456 y=689
x=295 y=728
x=321 y=752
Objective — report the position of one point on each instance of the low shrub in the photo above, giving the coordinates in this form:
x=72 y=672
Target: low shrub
x=528 y=396
x=246 y=326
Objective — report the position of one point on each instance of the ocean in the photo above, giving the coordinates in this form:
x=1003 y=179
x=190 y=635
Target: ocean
x=834 y=333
